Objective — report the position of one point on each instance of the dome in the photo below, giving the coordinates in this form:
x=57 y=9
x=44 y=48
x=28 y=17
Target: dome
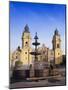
x=26 y=29
x=56 y=32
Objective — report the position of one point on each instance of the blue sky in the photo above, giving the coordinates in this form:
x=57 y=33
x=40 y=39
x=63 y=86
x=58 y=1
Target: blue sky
x=41 y=18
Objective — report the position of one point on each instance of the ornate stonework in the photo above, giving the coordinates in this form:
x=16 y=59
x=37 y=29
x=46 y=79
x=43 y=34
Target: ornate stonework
x=53 y=55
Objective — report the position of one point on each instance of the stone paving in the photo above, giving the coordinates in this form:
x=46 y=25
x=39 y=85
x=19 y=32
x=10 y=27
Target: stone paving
x=58 y=80
x=47 y=82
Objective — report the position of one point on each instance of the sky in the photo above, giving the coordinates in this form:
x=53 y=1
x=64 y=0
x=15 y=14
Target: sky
x=41 y=18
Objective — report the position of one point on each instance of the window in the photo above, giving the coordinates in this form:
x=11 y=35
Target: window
x=58 y=46
x=25 y=52
x=58 y=53
x=16 y=57
x=26 y=42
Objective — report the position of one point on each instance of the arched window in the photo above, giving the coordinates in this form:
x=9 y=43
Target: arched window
x=58 y=46
x=58 y=53
x=26 y=43
x=25 y=52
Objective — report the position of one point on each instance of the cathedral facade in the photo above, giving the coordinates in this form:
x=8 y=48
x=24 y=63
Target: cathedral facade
x=53 y=55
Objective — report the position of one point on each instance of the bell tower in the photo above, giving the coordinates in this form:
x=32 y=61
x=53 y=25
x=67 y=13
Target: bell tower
x=26 y=58
x=56 y=43
x=26 y=38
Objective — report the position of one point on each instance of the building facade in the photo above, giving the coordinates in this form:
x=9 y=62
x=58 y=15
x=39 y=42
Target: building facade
x=26 y=57
x=56 y=43
x=53 y=55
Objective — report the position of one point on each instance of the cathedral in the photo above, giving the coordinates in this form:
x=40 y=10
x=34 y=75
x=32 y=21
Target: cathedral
x=47 y=55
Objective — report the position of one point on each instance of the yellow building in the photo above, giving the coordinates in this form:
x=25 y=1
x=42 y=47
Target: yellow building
x=23 y=54
x=44 y=53
x=15 y=56
x=53 y=55
x=26 y=57
x=57 y=47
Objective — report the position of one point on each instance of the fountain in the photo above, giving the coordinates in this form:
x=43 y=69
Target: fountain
x=36 y=53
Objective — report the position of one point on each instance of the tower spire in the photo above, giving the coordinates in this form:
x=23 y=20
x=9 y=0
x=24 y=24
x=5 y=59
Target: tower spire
x=26 y=37
x=56 y=42
x=56 y=32
x=26 y=29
